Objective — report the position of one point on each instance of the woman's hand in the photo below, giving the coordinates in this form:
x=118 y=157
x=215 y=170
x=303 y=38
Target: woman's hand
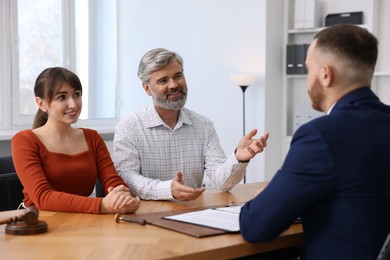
x=120 y=200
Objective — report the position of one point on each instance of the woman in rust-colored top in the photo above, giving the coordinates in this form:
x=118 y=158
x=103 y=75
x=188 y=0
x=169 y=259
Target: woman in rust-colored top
x=58 y=164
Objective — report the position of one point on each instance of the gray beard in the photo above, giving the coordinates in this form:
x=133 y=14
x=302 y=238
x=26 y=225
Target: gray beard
x=169 y=105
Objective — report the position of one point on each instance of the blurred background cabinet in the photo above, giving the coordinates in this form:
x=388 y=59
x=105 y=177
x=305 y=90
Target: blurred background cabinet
x=305 y=18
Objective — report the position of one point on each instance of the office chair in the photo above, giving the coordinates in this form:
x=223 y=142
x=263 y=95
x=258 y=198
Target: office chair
x=99 y=189
x=11 y=189
x=384 y=254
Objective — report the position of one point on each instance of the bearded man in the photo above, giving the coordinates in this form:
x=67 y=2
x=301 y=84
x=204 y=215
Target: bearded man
x=163 y=151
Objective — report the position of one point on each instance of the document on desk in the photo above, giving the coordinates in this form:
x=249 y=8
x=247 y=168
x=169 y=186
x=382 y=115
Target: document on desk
x=224 y=218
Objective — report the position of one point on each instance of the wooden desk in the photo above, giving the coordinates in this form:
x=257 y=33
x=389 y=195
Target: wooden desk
x=92 y=236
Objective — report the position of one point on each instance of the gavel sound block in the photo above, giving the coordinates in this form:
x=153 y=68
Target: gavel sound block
x=26 y=224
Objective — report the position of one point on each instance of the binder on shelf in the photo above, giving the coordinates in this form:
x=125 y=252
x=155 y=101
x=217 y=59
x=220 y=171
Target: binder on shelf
x=306 y=14
x=296 y=57
x=311 y=14
x=299 y=14
x=340 y=18
x=290 y=69
x=300 y=57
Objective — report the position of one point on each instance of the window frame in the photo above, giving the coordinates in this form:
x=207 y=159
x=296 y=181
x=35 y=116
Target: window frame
x=10 y=118
x=5 y=66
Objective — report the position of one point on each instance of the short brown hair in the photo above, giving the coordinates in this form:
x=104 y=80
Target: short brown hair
x=351 y=42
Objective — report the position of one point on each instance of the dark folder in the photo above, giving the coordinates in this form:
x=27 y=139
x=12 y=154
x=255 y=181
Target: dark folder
x=300 y=57
x=290 y=69
x=157 y=219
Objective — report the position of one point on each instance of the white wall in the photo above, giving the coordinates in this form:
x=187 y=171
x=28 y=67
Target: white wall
x=273 y=156
x=215 y=38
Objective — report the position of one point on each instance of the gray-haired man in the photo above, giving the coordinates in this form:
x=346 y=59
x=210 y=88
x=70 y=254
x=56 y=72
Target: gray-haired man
x=163 y=150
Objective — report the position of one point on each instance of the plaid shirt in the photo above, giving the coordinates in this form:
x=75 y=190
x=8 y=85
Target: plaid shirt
x=148 y=153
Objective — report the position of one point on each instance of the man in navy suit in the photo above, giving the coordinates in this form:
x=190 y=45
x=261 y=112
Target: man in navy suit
x=336 y=175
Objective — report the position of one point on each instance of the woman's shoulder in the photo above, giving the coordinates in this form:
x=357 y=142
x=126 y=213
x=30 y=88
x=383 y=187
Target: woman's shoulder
x=89 y=131
x=25 y=139
x=91 y=134
x=23 y=134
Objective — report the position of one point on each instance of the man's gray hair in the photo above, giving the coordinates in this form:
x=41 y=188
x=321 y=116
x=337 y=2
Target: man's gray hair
x=155 y=59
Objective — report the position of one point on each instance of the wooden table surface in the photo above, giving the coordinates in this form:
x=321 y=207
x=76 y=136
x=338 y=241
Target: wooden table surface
x=94 y=236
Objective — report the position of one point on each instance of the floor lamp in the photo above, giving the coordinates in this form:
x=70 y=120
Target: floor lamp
x=243 y=81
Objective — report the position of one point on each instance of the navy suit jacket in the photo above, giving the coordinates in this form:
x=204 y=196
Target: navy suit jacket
x=336 y=176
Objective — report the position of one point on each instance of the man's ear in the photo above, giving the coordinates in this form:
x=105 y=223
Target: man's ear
x=326 y=75
x=41 y=104
x=146 y=88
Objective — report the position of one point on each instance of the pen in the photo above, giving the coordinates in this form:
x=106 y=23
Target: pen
x=119 y=217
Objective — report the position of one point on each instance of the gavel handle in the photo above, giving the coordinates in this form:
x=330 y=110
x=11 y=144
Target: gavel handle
x=12 y=220
x=140 y=221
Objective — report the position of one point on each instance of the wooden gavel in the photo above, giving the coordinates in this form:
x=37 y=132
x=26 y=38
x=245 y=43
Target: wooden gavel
x=30 y=217
x=25 y=224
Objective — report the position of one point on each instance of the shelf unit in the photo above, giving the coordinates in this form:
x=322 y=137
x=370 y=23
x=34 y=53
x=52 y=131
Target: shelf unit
x=297 y=108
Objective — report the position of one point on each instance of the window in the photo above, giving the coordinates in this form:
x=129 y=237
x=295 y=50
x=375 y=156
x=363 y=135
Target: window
x=37 y=47
x=78 y=35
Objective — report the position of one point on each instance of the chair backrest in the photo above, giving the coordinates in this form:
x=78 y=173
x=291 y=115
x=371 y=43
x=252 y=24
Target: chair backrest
x=6 y=165
x=385 y=251
x=11 y=189
x=99 y=189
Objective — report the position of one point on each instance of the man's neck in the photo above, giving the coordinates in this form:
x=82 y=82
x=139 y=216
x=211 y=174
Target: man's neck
x=340 y=91
x=170 y=117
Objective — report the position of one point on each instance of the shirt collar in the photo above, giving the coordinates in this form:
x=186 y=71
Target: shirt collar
x=330 y=109
x=153 y=119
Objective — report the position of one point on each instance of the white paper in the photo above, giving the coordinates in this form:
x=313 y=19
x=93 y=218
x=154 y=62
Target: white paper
x=220 y=218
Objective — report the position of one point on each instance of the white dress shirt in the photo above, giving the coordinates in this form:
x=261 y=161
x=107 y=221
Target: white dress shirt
x=148 y=153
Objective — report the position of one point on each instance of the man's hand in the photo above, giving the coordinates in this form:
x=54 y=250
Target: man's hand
x=183 y=192
x=248 y=148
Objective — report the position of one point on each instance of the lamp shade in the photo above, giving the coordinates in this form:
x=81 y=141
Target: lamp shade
x=243 y=80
